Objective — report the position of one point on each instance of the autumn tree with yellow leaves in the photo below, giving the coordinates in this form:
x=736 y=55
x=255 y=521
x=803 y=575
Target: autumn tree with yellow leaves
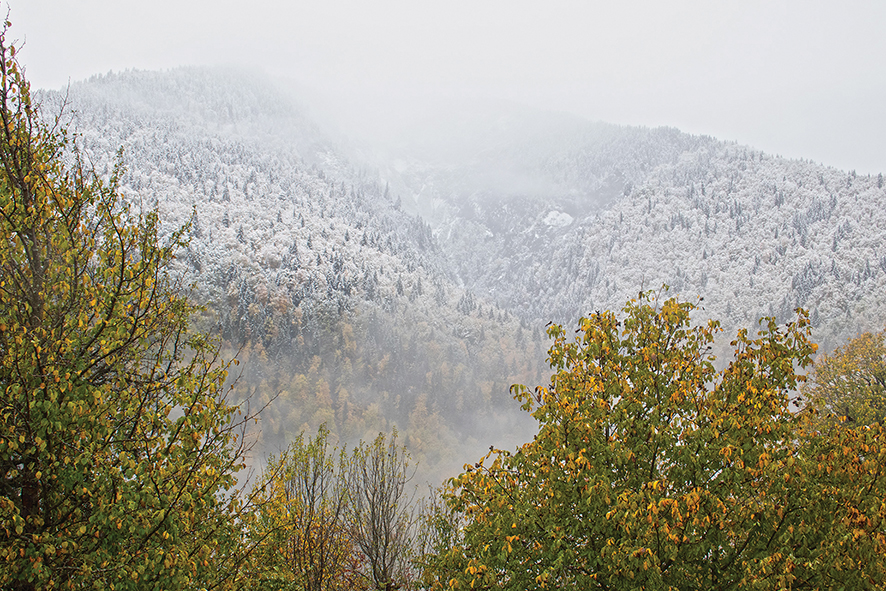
x=331 y=520
x=652 y=469
x=849 y=385
x=302 y=528
x=117 y=447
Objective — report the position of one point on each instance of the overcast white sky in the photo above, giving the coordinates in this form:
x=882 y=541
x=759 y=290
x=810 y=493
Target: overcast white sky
x=796 y=78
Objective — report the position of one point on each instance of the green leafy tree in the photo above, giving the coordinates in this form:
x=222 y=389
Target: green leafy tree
x=438 y=529
x=335 y=521
x=117 y=447
x=850 y=383
x=303 y=536
x=651 y=469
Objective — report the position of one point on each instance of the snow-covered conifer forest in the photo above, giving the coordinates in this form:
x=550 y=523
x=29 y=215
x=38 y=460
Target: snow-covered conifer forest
x=410 y=284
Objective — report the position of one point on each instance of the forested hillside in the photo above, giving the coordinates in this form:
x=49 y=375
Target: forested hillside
x=394 y=301
x=410 y=284
x=340 y=307
x=587 y=214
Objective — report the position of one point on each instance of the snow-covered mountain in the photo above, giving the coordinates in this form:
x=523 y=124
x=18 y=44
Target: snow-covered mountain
x=584 y=215
x=335 y=300
x=409 y=281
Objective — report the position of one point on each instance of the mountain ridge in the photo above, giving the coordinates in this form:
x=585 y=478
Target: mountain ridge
x=391 y=285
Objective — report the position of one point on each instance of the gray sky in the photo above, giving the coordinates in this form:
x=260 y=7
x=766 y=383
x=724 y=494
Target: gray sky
x=796 y=78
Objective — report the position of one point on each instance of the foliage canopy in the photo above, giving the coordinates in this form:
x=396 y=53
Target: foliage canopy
x=302 y=527
x=850 y=383
x=651 y=469
x=117 y=447
x=335 y=521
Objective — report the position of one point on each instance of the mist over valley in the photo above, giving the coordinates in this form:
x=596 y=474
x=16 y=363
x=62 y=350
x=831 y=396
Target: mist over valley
x=403 y=275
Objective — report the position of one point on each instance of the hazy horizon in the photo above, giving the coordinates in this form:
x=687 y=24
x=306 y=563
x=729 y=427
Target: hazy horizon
x=795 y=79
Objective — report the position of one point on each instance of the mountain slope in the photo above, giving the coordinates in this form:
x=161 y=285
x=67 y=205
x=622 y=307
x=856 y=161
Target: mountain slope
x=607 y=211
x=407 y=283
x=340 y=306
